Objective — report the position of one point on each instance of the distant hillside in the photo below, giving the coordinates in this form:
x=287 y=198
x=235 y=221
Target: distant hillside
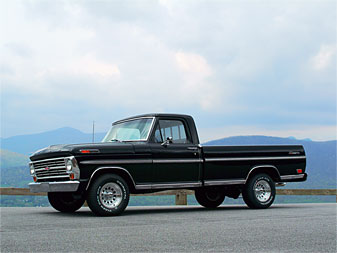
x=12 y=159
x=14 y=169
x=27 y=144
x=321 y=157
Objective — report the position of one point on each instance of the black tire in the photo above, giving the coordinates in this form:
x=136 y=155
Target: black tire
x=259 y=199
x=108 y=195
x=210 y=197
x=65 y=202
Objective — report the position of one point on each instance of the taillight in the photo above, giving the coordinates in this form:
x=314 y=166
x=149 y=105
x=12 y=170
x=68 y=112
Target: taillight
x=299 y=171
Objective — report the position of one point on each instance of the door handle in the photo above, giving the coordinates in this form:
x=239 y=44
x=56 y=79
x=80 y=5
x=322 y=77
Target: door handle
x=192 y=148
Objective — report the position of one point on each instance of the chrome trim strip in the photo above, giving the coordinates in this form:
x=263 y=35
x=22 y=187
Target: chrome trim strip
x=106 y=168
x=112 y=161
x=51 y=169
x=224 y=182
x=150 y=129
x=65 y=186
x=177 y=161
x=262 y=166
x=49 y=177
x=136 y=161
x=143 y=187
x=51 y=159
x=192 y=148
x=299 y=176
x=177 y=185
x=167 y=186
x=253 y=158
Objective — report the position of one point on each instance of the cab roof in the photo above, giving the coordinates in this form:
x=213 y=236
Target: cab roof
x=173 y=115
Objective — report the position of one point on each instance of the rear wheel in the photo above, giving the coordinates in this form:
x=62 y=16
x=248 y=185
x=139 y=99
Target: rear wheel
x=108 y=195
x=210 y=197
x=259 y=192
x=65 y=202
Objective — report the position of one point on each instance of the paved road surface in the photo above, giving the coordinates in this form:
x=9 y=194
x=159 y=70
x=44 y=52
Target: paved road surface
x=281 y=228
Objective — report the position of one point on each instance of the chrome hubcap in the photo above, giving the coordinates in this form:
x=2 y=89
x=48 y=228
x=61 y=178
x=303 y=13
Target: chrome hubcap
x=262 y=190
x=111 y=195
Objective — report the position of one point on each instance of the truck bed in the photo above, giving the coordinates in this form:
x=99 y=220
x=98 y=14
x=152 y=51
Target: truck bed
x=232 y=164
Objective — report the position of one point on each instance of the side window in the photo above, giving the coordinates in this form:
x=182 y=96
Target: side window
x=171 y=128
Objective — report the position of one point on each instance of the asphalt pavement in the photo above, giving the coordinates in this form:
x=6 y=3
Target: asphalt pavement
x=281 y=228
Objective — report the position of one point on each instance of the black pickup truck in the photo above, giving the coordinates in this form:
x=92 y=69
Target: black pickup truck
x=156 y=152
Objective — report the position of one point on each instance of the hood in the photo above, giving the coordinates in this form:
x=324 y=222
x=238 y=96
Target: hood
x=75 y=149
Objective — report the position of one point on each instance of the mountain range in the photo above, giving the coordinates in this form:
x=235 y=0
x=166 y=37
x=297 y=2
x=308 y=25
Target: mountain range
x=27 y=144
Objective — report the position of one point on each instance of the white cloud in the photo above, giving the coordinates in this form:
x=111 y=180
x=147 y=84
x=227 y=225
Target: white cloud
x=324 y=58
x=197 y=82
x=193 y=64
x=85 y=66
x=90 y=65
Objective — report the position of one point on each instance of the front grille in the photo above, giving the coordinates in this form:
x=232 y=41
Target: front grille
x=51 y=169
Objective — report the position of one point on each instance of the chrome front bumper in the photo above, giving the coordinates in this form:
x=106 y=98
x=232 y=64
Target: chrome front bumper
x=64 y=186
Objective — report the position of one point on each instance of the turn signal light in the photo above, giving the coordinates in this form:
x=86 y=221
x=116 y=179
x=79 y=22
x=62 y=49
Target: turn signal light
x=71 y=176
x=88 y=151
x=299 y=171
x=35 y=179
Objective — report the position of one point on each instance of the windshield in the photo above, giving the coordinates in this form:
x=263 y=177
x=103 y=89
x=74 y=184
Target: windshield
x=131 y=130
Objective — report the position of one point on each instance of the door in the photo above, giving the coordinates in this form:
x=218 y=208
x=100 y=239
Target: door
x=176 y=163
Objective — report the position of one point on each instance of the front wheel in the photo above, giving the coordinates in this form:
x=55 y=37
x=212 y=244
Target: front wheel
x=210 y=197
x=65 y=202
x=259 y=192
x=108 y=195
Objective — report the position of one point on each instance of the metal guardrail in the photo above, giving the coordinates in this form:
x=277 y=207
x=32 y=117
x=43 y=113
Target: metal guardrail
x=180 y=195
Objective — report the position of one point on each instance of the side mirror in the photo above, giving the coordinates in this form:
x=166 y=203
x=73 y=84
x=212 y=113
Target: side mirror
x=168 y=141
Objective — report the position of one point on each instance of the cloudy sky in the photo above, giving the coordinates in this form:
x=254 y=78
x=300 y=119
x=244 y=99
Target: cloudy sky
x=238 y=67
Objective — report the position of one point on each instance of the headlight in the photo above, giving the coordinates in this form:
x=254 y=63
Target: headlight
x=72 y=168
x=32 y=170
x=69 y=165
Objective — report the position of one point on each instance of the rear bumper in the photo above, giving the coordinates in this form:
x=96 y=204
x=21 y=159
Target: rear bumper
x=65 y=186
x=294 y=178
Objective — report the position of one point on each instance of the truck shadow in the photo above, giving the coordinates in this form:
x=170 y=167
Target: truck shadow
x=145 y=210
x=150 y=210
x=178 y=209
x=191 y=209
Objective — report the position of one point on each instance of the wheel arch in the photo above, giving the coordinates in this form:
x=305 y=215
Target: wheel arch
x=115 y=170
x=270 y=170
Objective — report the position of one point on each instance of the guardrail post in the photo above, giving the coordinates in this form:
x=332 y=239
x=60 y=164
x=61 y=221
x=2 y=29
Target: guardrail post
x=181 y=198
